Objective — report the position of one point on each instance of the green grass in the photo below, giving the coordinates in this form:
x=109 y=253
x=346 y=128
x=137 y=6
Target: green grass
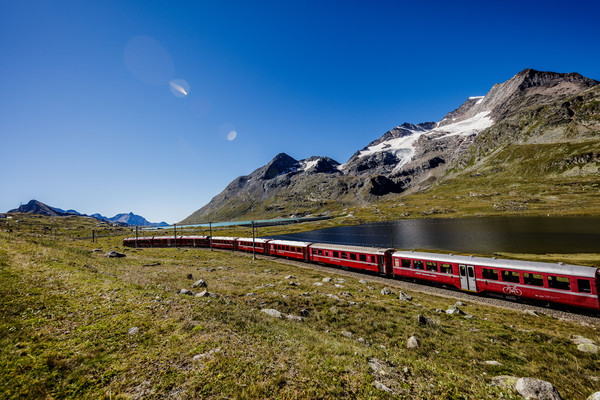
x=66 y=311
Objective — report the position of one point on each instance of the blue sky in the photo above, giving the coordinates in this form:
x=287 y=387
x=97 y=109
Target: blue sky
x=88 y=119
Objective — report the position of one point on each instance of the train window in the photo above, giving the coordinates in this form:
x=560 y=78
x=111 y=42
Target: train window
x=362 y=257
x=431 y=266
x=396 y=262
x=533 y=279
x=405 y=263
x=559 y=282
x=489 y=273
x=584 y=286
x=417 y=264
x=344 y=255
x=336 y=254
x=353 y=256
x=446 y=268
x=510 y=276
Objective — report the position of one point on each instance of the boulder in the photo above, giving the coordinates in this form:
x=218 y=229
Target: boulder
x=199 y=283
x=422 y=320
x=386 y=291
x=186 y=292
x=455 y=311
x=412 y=343
x=114 y=254
x=505 y=381
x=588 y=348
x=532 y=389
x=206 y=293
x=594 y=396
x=404 y=297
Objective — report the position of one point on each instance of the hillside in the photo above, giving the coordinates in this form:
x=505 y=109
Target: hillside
x=76 y=324
x=554 y=116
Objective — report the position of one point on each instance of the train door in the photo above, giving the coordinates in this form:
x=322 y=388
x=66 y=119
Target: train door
x=467 y=277
x=381 y=264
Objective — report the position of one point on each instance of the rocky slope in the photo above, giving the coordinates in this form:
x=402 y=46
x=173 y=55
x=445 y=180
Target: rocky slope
x=532 y=107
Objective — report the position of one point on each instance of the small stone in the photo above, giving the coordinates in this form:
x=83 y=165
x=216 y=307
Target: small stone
x=292 y=283
x=290 y=277
x=206 y=355
x=362 y=281
x=347 y=294
x=340 y=280
x=294 y=318
x=347 y=334
x=531 y=312
x=133 y=330
x=386 y=291
x=381 y=386
x=333 y=309
x=272 y=312
x=199 y=283
x=250 y=294
x=337 y=285
x=594 y=396
x=412 y=343
x=326 y=280
x=460 y=304
x=318 y=284
x=404 y=297
x=97 y=250
x=491 y=362
x=532 y=388
x=186 y=292
x=190 y=276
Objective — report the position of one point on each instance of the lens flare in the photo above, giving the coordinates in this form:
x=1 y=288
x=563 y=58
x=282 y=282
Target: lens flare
x=179 y=87
x=231 y=135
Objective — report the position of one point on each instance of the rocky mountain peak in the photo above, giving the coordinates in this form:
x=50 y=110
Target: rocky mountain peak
x=280 y=164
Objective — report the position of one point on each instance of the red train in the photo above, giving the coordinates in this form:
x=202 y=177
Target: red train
x=558 y=283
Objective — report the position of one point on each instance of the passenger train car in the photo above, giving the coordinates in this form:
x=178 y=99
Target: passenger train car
x=573 y=285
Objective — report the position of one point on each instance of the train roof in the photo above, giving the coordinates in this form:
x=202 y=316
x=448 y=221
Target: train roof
x=256 y=240
x=356 y=249
x=533 y=266
x=223 y=238
x=290 y=243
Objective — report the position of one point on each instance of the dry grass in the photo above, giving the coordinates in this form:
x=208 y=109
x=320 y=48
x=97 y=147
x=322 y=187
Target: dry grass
x=66 y=312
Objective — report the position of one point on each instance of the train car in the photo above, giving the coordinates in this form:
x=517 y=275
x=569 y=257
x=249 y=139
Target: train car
x=289 y=249
x=370 y=259
x=194 y=241
x=223 y=242
x=257 y=245
x=558 y=283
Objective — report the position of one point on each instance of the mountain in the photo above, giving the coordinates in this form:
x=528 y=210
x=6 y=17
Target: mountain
x=135 y=220
x=547 y=110
x=37 y=207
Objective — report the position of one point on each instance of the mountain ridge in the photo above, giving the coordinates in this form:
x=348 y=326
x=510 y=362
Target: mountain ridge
x=37 y=207
x=413 y=157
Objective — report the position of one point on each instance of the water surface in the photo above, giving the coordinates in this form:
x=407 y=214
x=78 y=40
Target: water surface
x=481 y=235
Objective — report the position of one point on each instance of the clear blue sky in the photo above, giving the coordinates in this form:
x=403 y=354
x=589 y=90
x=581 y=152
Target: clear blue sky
x=88 y=119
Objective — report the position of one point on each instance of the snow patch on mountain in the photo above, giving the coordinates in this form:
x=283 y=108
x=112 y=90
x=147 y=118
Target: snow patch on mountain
x=466 y=127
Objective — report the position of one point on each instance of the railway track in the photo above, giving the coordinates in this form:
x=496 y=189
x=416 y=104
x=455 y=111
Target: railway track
x=557 y=311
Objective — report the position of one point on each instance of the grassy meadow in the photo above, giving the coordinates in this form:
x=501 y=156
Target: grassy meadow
x=76 y=324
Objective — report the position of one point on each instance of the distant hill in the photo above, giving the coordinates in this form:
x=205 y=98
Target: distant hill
x=37 y=207
x=553 y=116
